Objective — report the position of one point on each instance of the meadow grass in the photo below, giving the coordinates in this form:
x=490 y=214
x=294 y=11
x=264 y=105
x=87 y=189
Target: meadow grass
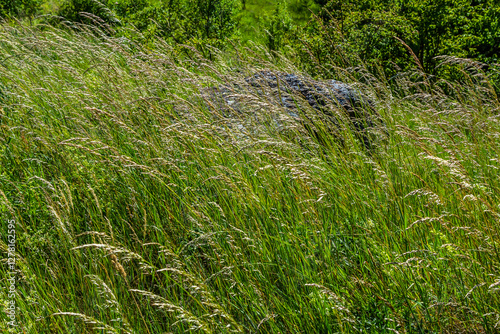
x=140 y=209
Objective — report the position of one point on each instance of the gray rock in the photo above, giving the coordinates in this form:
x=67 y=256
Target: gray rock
x=291 y=90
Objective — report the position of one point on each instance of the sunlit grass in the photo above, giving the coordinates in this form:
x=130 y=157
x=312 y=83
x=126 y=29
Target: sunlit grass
x=253 y=20
x=140 y=209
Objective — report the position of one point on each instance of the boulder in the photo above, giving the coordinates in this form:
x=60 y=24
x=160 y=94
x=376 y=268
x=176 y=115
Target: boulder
x=293 y=93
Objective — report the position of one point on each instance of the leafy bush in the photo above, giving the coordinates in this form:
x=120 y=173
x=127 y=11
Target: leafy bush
x=279 y=25
x=76 y=10
x=19 y=8
x=395 y=34
x=179 y=21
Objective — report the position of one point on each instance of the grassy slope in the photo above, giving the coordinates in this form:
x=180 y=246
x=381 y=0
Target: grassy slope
x=138 y=213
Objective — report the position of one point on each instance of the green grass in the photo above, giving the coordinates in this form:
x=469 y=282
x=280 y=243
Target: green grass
x=139 y=210
x=50 y=6
x=254 y=18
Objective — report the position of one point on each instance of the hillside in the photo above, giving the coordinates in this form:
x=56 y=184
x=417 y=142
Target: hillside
x=137 y=208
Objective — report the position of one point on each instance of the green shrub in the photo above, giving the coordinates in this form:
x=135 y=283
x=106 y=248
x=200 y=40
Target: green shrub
x=395 y=35
x=77 y=10
x=178 y=21
x=19 y=8
x=279 y=25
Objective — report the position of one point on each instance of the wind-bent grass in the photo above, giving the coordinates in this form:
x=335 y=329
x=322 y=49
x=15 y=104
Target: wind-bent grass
x=139 y=210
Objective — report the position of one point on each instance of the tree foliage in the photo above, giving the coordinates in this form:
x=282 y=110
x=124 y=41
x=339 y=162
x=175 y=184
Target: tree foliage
x=19 y=8
x=395 y=32
x=197 y=22
x=78 y=10
x=389 y=34
x=278 y=26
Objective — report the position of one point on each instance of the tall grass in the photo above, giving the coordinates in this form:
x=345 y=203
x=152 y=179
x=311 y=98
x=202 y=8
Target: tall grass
x=140 y=208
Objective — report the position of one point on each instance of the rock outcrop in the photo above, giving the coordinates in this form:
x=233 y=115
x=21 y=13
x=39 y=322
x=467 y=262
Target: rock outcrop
x=290 y=91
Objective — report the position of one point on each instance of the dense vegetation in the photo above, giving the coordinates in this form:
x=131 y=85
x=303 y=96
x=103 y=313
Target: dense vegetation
x=139 y=209
x=391 y=35
x=394 y=32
